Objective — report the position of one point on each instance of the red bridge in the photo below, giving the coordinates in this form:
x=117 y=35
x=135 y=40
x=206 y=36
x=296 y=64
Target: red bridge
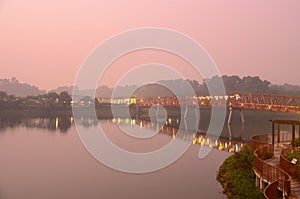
x=251 y=101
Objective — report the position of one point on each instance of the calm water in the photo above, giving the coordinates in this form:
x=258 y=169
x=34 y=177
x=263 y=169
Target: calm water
x=44 y=158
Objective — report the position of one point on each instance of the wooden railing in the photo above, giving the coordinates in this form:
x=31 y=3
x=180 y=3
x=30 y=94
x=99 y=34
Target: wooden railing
x=276 y=177
x=292 y=169
x=271 y=190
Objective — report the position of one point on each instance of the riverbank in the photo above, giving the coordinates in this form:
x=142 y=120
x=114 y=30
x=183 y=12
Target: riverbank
x=237 y=177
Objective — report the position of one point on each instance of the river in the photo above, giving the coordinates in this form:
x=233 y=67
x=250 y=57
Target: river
x=44 y=158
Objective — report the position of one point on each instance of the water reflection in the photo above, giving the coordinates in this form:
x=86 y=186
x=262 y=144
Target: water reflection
x=186 y=132
x=195 y=137
x=56 y=123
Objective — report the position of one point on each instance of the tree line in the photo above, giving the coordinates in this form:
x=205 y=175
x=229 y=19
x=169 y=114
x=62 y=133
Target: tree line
x=233 y=85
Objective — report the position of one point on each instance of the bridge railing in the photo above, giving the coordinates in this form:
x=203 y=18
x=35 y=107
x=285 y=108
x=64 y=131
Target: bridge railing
x=250 y=101
x=275 y=176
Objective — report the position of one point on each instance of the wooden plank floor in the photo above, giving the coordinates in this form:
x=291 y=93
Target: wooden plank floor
x=275 y=161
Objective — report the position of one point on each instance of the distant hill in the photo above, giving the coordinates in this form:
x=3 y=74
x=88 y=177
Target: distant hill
x=14 y=87
x=233 y=84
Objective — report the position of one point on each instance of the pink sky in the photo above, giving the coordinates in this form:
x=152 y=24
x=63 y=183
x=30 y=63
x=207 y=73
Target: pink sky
x=45 y=42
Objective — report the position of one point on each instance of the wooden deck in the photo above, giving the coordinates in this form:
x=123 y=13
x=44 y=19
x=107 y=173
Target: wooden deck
x=275 y=161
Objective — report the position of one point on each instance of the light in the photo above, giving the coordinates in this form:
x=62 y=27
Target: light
x=56 y=122
x=119 y=120
x=173 y=135
x=207 y=141
x=141 y=125
x=199 y=140
x=221 y=147
x=194 y=140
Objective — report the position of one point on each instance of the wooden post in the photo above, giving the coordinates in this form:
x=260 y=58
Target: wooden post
x=293 y=133
x=278 y=131
x=273 y=132
x=299 y=132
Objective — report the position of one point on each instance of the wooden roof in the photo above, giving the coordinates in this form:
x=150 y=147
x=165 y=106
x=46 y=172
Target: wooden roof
x=287 y=122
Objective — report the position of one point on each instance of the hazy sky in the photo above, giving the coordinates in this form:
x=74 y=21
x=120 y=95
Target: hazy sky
x=45 y=42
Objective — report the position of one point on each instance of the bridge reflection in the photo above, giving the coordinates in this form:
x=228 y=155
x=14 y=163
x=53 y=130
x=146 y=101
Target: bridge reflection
x=164 y=128
x=195 y=137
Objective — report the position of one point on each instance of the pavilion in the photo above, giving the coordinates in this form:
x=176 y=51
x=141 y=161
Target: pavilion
x=292 y=123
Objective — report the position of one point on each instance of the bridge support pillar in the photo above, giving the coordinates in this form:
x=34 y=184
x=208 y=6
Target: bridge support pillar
x=230 y=115
x=137 y=113
x=229 y=131
x=242 y=116
x=186 y=111
x=196 y=113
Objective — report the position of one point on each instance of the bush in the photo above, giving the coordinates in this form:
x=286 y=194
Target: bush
x=291 y=155
x=237 y=177
x=296 y=142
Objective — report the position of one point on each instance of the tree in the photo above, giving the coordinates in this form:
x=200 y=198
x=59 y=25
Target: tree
x=232 y=83
x=65 y=99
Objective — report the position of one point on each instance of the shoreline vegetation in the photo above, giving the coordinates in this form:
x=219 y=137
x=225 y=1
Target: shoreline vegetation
x=237 y=177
